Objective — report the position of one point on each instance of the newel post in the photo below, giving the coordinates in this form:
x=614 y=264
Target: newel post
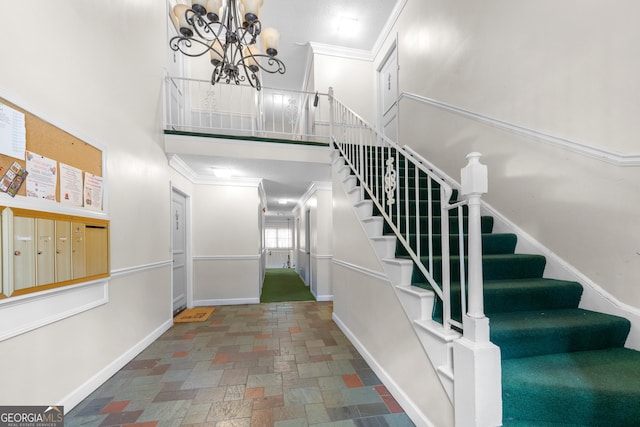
x=475 y=183
x=331 y=116
x=476 y=361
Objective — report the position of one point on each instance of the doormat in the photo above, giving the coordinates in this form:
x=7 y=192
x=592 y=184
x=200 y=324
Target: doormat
x=198 y=314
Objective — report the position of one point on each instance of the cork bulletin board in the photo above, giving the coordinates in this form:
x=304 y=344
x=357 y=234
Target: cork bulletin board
x=50 y=141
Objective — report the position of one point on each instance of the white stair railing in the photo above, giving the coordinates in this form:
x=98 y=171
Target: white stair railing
x=402 y=186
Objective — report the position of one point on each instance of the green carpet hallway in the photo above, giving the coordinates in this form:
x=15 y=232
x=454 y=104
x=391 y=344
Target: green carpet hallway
x=284 y=285
x=561 y=365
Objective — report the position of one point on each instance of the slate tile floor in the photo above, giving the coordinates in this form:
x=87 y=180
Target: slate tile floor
x=277 y=364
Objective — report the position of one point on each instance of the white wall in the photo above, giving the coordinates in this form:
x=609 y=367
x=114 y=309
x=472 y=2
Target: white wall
x=565 y=70
x=316 y=271
x=226 y=244
x=353 y=82
x=88 y=76
x=370 y=314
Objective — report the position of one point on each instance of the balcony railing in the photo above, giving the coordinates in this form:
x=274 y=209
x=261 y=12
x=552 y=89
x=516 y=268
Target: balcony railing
x=199 y=107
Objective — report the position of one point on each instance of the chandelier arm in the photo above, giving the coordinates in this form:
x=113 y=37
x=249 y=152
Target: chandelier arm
x=274 y=65
x=184 y=44
x=251 y=77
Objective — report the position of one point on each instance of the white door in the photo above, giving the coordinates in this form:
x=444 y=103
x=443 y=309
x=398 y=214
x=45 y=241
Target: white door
x=388 y=95
x=179 y=249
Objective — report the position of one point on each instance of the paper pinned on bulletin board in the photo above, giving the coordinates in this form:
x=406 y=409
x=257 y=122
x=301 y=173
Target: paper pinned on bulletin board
x=13 y=133
x=13 y=179
x=70 y=185
x=43 y=177
x=93 y=190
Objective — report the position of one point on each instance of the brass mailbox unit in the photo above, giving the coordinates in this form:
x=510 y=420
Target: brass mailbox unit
x=44 y=250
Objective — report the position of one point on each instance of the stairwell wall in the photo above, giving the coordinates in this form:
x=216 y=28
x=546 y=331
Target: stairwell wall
x=90 y=78
x=371 y=316
x=563 y=70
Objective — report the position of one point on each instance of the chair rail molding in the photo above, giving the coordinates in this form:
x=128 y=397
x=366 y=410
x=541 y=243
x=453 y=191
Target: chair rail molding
x=608 y=156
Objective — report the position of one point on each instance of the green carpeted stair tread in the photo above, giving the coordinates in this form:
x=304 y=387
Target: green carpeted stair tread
x=594 y=388
x=492 y=244
x=533 y=333
x=530 y=294
x=494 y=267
x=518 y=295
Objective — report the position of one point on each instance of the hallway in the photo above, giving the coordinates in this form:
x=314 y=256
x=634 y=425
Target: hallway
x=277 y=364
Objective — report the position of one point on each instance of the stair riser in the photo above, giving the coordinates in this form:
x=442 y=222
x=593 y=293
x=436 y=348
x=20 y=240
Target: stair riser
x=486 y=224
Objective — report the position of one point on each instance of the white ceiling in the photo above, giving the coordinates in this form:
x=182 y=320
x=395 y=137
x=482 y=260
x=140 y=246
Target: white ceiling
x=300 y=23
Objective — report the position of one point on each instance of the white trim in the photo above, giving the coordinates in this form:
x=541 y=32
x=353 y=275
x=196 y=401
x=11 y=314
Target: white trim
x=25 y=313
x=183 y=169
x=410 y=408
x=322 y=298
x=391 y=21
x=341 y=52
x=608 y=156
x=226 y=301
x=82 y=392
x=41 y=205
x=308 y=68
x=321 y=257
x=313 y=188
x=371 y=273
x=139 y=268
x=225 y=257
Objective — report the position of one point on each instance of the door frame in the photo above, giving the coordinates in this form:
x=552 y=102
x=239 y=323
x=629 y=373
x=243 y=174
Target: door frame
x=392 y=51
x=188 y=262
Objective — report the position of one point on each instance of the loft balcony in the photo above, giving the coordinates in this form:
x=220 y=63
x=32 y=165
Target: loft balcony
x=196 y=107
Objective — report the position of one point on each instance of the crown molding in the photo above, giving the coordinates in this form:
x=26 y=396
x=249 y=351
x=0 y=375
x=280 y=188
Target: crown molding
x=183 y=169
x=386 y=31
x=313 y=188
x=341 y=52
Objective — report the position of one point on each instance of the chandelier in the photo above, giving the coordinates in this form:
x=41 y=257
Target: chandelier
x=229 y=34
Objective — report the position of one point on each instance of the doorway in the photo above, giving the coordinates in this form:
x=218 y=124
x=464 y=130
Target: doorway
x=388 y=94
x=179 y=223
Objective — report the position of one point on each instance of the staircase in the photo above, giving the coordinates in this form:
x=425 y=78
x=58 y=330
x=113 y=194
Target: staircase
x=561 y=365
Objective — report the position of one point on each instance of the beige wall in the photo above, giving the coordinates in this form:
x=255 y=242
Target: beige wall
x=77 y=68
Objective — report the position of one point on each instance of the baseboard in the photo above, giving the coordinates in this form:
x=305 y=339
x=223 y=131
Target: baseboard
x=323 y=297
x=227 y=301
x=416 y=415
x=78 y=395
